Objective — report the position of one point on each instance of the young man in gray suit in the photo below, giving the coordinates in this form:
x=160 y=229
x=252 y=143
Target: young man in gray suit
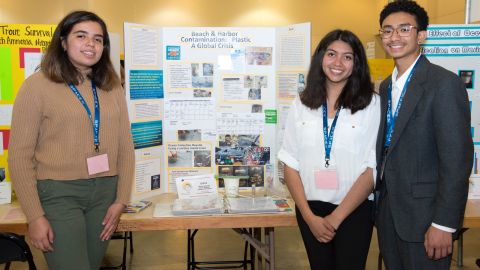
x=424 y=148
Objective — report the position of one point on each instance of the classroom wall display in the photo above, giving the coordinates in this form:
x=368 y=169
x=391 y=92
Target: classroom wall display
x=211 y=100
x=457 y=48
x=21 y=48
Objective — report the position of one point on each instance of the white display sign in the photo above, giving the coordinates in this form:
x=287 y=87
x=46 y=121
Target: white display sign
x=190 y=187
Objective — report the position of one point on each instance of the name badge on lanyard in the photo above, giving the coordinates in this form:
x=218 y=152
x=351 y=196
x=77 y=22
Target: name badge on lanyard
x=326 y=178
x=97 y=162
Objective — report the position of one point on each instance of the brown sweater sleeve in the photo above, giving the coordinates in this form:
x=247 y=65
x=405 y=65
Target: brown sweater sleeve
x=126 y=154
x=25 y=128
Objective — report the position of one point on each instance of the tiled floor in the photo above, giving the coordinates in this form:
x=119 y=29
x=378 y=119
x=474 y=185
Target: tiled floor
x=168 y=250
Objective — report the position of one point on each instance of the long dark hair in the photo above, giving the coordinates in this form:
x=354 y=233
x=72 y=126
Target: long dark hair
x=58 y=67
x=358 y=91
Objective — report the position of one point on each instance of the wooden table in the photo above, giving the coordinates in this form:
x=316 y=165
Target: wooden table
x=144 y=221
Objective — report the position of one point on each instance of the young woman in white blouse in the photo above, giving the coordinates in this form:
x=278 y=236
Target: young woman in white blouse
x=329 y=154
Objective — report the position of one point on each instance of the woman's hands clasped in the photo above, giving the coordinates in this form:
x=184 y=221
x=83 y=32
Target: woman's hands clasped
x=321 y=229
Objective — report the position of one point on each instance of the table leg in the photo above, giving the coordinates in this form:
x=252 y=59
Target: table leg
x=264 y=250
x=270 y=246
x=460 y=250
x=253 y=251
x=257 y=234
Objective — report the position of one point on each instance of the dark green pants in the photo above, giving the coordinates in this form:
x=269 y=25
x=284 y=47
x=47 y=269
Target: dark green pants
x=75 y=210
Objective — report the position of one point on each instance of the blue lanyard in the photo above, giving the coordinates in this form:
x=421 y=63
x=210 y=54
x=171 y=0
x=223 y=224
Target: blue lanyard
x=96 y=120
x=391 y=119
x=328 y=137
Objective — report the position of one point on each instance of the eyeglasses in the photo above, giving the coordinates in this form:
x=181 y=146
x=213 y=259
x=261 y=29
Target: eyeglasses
x=403 y=31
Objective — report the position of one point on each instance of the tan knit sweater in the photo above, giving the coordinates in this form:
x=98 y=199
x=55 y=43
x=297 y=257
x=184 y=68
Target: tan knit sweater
x=52 y=136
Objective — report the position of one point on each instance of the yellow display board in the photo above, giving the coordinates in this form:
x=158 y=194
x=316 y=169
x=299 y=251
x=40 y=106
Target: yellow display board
x=380 y=68
x=21 y=48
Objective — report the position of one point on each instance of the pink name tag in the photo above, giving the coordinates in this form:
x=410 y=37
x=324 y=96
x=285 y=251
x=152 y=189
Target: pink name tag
x=326 y=179
x=97 y=164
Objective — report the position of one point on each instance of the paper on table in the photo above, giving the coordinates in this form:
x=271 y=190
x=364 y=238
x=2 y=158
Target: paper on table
x=162 y=210
x=198 y=206
x=14 y=214
x=474 y=187
x=252 y=205
x=5 y=192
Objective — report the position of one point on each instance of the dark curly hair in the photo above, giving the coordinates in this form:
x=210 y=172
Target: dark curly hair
x=410 y=7
x=357 y=93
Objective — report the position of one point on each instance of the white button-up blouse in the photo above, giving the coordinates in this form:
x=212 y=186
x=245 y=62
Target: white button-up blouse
x=353 y=149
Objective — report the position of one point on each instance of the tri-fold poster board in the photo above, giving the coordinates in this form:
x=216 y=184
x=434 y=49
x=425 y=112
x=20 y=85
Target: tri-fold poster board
x=457 y=48
x=211 y=100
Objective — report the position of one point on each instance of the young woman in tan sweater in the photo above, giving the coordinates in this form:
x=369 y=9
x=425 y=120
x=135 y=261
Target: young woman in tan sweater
x=71 y=155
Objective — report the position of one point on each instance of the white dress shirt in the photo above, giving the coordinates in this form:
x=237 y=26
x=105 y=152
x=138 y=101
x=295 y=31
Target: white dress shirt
x=353 y=149
x=397 y=87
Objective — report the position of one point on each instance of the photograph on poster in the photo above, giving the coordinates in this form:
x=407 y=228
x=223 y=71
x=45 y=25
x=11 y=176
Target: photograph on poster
x=261 y=81
x=257 y=155
x=202 y=158
x=228 y=171
x=2 y=174
x=269 y=176
x=202 y=75
x=261 y=56
x=155 y=182
x=202 y=82
x=254 y=94
x=225 y=155
x=225 y=170
x=242 y=182
x=256 y=174
x=195 y=69
x=207 y=69
x=201 y=93
x=228 y=140
x=468 y=77
x=257 y=108
x=249 y=140
x=189 y=135
x=240 y=170
x=248 y=175
x=301 y=82
x=234 y=140
x=248 y=81
x=180 y=158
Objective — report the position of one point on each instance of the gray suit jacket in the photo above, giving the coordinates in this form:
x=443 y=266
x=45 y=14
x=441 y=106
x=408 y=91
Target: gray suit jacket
x=431 y=153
